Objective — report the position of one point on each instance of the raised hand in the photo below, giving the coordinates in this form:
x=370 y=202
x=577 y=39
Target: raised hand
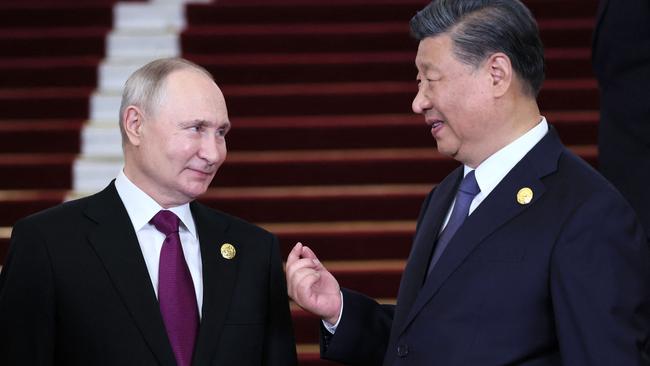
x=312 y=286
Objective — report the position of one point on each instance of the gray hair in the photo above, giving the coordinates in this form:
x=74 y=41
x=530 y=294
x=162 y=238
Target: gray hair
x=144 y=87
x=479 y=28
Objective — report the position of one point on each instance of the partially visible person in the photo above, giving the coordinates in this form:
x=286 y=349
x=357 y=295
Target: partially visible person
x=524 y=255
x=621 y=61
x=140 y=273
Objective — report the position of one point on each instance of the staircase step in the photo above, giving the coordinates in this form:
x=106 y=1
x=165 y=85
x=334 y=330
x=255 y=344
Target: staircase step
x=49 y=72
x=348 y=240
x=341 y=11
x=45 y=103
x=48 y=3
x=346 y=67
x=376 y=98
x=349 y=37
x=55 y=14
x=60 y=42
x=305 y=204
x=372 y=131
x=40 y=136
x=36 y=171
x=16 y=204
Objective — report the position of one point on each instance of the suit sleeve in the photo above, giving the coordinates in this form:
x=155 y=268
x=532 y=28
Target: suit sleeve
x=362 y=335
x=280 y=349
x=363 y=332
x=27 y=324
x=600 y=286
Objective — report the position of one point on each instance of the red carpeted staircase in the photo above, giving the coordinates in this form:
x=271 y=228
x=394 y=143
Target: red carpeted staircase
x=324 y=147
x=49 y=52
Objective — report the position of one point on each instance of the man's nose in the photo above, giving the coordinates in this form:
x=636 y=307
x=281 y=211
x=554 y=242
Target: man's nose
x=420 y=103
x=210 y=148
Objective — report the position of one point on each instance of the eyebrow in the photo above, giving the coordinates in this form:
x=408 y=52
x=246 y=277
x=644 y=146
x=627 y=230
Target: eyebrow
x=426 y=66
x=204 y=122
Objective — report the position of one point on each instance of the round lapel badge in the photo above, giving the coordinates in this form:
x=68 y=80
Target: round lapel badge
x=524 y=196
x=228 y=251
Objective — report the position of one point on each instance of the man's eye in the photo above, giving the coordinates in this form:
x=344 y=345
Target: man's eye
x=222 y=132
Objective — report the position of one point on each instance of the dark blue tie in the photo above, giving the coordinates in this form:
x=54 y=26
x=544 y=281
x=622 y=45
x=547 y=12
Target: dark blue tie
x=467 y=190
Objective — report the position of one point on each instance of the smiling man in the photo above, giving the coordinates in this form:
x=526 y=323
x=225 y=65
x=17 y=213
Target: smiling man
x=524 y=255
x=140 y=274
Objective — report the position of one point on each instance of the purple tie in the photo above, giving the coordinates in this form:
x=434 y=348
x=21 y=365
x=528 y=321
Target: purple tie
x=176 y=293
x=467 y=190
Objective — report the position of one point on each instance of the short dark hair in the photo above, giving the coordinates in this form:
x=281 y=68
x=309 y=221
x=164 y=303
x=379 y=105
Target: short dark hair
x=479 y=28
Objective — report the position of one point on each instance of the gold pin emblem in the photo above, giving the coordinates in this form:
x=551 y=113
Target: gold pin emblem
x=524 y=196
x=228 y=251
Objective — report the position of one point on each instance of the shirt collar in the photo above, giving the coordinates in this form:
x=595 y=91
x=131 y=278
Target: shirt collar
x=499 y=164
x=141 y=207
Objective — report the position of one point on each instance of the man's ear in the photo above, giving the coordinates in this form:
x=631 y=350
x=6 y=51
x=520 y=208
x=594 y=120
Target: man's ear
x=501 y=73
x=132 y=122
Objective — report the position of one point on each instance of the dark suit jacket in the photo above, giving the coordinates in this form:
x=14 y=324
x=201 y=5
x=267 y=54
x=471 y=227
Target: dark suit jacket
x=75 y=291
x=621 y=61
x=563 y=280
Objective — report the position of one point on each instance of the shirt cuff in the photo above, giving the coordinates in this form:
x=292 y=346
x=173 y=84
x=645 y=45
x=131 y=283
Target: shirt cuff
x=332 y=328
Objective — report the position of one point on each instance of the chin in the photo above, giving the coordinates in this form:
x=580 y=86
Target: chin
x=194 y=192
x=447 y=151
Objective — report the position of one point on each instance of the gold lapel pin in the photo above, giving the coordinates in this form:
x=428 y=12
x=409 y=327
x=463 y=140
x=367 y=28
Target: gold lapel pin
x=524 y=196
x=228 y=251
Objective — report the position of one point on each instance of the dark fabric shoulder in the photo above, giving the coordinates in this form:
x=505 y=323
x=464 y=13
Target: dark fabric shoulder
x=232 y=222
x=583 y=177
x=59 y=213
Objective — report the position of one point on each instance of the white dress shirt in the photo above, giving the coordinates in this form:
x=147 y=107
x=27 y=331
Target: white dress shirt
x=142 y=208
x=488 y=175
x=492 y=171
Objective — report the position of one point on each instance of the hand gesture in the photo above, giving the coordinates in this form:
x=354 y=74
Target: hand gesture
x=312 y=286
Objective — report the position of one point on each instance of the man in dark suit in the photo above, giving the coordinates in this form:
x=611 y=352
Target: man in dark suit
x=522 y=256
x=621 y=60
x=139 y=273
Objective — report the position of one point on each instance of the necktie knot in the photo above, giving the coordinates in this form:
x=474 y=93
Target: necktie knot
x=469 y=185
x=166 y=222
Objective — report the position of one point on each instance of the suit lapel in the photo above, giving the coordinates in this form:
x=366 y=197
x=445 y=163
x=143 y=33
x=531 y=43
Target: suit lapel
x=219 y=278
x=423 y=243
x=116 y=244
x=497 y=209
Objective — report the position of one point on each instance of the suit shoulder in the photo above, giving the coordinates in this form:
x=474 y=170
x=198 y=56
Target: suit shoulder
x=582 y=175
x=577 y=184
x=233 y=223
x=58 y=214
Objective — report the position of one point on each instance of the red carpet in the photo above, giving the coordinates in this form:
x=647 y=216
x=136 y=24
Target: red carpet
x=49 y=52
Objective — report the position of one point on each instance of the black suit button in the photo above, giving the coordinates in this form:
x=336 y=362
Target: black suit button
x=402 y=350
